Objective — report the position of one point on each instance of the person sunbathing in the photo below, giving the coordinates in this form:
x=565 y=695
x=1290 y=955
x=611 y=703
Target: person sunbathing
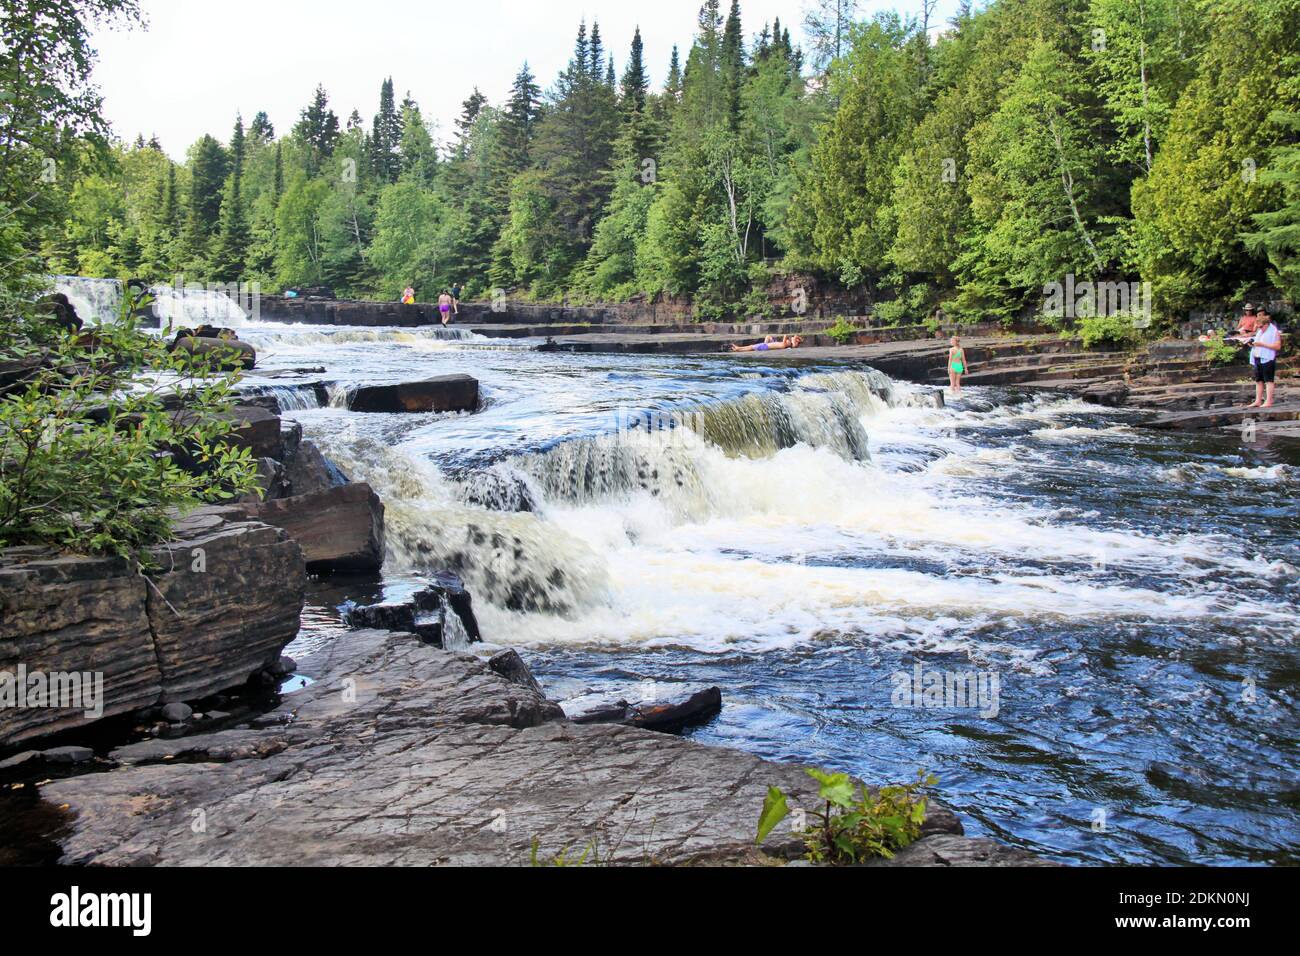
x=772 y=344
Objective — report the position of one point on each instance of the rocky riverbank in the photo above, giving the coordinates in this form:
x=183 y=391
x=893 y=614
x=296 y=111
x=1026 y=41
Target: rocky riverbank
x=400 y=754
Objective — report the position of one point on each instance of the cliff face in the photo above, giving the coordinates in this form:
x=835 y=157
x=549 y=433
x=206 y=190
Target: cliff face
x=221 y=603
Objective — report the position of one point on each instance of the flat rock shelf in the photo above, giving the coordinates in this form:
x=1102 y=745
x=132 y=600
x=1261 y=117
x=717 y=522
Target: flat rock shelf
x=401 y=754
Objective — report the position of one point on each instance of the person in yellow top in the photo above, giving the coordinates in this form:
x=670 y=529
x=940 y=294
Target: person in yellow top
x=408 y=296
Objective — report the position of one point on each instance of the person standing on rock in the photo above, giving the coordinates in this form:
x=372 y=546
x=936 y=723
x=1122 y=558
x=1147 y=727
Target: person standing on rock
x=456 y=290
x=445 y=303
x=957 y=364
x=1263 y=358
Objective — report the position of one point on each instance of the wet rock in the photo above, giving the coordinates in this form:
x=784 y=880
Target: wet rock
x=270 y=483
x=63 y=312
x=425 y=614
x=341 y=529
x=1108 y=394
x=27 y=758
x=177 y=713
x=512 y=667
x=445 y=393
x=285 y=667
x=310 y=472
x=68 y=755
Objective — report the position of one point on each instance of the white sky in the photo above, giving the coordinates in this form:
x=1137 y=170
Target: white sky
x=201 y=61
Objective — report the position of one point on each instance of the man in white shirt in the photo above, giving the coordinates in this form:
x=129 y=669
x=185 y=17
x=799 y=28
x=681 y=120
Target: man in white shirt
x=1264 y=349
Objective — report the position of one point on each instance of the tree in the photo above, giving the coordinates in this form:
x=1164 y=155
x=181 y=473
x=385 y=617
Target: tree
x=827 y=24
x=318 y=130
x=1277 y=232
x=233 y=239
x=386 y=136
x=209 y=165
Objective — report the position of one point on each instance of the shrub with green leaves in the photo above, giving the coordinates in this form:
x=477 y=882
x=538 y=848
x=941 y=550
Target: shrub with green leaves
x=855 y=824
x=1218 y=351
x=1119 y=329
x=105 y=435
x=843 y=331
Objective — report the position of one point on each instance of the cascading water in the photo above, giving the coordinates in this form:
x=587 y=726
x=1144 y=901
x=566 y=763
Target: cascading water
x=100 y=300
x=801 y=537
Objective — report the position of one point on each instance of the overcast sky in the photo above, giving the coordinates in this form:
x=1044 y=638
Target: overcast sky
x=201 y=61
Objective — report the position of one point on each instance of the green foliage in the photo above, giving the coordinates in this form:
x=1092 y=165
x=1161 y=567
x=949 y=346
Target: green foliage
x=1120 y=329
x=843 y=331
x=855 y=824
x=1220 y=352
x=108 y=435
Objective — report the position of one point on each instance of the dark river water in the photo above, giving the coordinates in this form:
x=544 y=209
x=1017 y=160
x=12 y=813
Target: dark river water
x=822 y=542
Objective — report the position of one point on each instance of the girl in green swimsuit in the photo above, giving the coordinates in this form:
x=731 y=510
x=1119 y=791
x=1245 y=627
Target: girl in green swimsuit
x=957 y=364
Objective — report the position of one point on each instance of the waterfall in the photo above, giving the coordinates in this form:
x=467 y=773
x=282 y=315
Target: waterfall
x=96 y=300
x=100 y=300
x=494 y=526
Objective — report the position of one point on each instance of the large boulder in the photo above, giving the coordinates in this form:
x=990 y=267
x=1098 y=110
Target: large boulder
x=220 y=603
x=340 y=529
x=307 y=471
x=446 y=393
x=225 y=602
x=227 y=354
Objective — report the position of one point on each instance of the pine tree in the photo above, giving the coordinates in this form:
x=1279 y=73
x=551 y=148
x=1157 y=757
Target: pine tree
x=318 y=128
x=385 y=136
x=260 y=131
x=231 y=251
x=208 y=169
x=520 y=122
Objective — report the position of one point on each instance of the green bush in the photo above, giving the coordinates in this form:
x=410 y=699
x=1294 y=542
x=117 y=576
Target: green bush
x=856 y=824
x=843 y=331
x=105 y=435
x=1119 y=329
x=1220 y=352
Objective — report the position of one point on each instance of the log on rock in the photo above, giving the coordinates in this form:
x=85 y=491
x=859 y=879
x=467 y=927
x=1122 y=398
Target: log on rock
x=446 y=393
x=341 y=529
x=665 y=716
x=227 y=354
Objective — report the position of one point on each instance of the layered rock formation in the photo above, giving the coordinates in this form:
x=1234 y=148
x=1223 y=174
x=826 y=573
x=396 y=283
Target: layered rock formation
x=403 y=755
x=219 y=603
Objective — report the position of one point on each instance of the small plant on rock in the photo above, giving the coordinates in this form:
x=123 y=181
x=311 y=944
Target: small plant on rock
x=856 y=823
x=1220 y=352
x=843 y=331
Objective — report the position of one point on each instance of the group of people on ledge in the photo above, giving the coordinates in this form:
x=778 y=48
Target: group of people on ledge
x=448 y=301
x=1258 y=330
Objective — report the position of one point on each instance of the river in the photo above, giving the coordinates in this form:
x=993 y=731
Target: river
x=802 y=536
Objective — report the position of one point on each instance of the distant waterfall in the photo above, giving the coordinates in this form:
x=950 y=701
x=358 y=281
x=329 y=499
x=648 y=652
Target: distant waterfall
x=100 y=300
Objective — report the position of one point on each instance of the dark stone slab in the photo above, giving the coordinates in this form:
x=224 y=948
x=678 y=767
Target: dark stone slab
x=446 y=393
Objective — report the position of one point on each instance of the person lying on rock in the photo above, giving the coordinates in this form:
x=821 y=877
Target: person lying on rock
x=772 y=344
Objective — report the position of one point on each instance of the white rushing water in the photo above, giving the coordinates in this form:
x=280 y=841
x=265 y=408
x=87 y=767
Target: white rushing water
x=100 y=300
x=750 y=522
